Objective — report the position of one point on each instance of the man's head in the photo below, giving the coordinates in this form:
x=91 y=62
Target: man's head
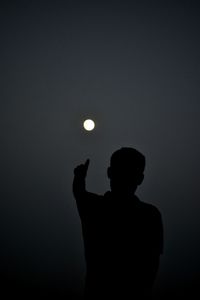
x=126 y=170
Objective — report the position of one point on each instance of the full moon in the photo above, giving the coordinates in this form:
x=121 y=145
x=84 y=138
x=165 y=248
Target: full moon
x=88 y=124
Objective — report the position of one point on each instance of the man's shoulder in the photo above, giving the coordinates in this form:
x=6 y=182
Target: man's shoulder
x=94 y=196
x=149 y=209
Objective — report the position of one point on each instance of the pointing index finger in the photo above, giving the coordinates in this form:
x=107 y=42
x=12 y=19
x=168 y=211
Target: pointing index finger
x=87 y=163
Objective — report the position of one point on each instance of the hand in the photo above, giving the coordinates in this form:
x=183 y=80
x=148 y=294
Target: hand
x=81 y=170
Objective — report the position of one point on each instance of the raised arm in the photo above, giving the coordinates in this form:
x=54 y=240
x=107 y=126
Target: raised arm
x=79 y=190
x=80 y=173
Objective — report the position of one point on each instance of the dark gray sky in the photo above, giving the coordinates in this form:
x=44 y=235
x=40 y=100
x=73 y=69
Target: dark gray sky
x=134 y=67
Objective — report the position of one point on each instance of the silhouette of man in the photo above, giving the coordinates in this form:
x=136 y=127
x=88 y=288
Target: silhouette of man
x=123 y=237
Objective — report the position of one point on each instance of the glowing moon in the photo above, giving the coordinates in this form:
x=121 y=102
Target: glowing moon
x=88 y=124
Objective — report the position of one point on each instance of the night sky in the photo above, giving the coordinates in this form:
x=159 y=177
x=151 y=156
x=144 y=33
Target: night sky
x=132 y=66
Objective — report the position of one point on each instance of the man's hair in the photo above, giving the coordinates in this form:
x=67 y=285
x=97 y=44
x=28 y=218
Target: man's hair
x=129 y=157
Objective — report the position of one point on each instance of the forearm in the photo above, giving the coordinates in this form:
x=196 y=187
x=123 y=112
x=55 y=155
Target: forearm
x=79 y=186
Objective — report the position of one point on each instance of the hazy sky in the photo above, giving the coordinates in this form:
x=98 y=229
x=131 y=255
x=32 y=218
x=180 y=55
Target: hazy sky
x=132 y=66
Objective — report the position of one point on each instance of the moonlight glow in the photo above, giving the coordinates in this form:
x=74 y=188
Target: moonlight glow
x=88 y=124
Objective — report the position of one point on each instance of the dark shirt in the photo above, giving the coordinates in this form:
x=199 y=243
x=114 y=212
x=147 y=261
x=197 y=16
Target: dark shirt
x=123 y=239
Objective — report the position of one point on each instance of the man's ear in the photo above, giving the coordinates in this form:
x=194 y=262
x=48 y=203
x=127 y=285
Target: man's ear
x=109 y=172
x=140 y=179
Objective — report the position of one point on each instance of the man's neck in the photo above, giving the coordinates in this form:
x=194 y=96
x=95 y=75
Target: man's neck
x=123 y=195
